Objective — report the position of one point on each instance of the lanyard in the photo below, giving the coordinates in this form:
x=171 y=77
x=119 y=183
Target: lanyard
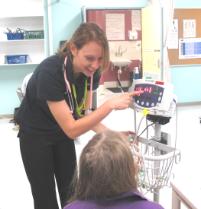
x=78 y=108
x=81 y=106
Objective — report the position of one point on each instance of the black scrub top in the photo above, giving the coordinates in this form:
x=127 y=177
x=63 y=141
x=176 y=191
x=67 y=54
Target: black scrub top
x=47 y=84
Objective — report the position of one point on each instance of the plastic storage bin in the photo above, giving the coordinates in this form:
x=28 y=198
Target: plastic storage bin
x=15 y=36
x=34 y=34
x=16 y=59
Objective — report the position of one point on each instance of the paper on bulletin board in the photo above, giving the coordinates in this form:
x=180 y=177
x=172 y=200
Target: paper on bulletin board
x=136 y=20
x=172 y=41
x=115 y=26
x=189 y=28
x=189 y=48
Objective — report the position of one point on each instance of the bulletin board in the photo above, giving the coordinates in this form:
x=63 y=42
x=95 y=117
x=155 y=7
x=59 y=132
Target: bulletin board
x=122 y=22
x=99 y=16
x=186 y=16
x=123 y=30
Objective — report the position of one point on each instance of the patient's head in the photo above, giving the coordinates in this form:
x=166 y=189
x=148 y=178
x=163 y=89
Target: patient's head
x=106 y=167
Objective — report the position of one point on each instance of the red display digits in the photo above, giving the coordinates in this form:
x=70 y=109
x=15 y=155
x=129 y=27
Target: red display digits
x=147 y=89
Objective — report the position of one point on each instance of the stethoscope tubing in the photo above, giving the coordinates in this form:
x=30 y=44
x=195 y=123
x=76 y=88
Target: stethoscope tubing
x=69 y=92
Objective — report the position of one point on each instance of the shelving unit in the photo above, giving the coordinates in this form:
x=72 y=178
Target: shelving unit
x=34 y=48
x=28 y=15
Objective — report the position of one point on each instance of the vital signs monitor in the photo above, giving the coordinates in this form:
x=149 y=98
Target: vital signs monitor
x=157 y=97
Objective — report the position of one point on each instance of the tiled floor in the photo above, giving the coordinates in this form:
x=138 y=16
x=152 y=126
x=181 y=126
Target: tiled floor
x=14 y=187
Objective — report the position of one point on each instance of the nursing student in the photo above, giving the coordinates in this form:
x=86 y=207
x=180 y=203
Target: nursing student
x=56 y=110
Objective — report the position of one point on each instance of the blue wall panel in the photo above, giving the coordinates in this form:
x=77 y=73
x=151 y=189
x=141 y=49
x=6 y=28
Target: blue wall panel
x=187 y=83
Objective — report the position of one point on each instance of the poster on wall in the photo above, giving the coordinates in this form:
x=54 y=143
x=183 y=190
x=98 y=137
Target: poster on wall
x=190 y=48
x=189 y=28
x=115 y=26
x=173 y=35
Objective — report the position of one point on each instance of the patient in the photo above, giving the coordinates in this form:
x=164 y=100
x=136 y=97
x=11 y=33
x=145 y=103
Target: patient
x=107 y=176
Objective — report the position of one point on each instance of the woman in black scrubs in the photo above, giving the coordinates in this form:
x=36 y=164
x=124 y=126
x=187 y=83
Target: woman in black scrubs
x=52 y=114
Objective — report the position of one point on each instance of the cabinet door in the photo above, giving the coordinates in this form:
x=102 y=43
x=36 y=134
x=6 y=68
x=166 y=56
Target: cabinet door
x=151 y=40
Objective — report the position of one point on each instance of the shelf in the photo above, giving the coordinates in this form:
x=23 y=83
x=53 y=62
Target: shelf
x=21 y=41
x=2 y=19
x=21 y=16
x=20 y=8
x=14 y=65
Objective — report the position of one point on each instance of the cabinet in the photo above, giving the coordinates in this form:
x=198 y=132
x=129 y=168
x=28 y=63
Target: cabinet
x=151 y=40
x=33 y=48
x=27 y=15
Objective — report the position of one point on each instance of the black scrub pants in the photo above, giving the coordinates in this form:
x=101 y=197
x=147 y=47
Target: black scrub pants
x=46 y=158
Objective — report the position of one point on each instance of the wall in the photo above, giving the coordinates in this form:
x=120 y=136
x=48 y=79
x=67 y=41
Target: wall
x=187 y=79
x=61 y=19
x=66 y=15
x=180 y=75
x=187 y=83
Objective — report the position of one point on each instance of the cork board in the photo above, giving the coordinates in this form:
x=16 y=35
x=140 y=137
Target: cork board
x=182 y=15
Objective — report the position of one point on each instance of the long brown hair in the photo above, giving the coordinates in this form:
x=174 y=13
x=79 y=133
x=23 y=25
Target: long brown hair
x=84 y=34
x=106 y=168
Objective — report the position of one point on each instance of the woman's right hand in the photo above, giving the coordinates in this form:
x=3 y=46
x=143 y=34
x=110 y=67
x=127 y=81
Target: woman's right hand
x=122 y=101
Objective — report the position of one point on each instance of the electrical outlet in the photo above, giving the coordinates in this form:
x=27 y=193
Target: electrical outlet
x=165 y=138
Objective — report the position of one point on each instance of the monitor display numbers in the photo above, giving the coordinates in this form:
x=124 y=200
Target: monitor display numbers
x=152 y=94
x=147 y=89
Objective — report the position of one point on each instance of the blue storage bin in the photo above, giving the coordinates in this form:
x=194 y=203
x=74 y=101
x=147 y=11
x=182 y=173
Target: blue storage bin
x=34 y=34
x=15 y=36
x=16 y=59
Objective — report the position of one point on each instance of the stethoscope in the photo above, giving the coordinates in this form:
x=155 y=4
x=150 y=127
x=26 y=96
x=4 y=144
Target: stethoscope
x=74 y=105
